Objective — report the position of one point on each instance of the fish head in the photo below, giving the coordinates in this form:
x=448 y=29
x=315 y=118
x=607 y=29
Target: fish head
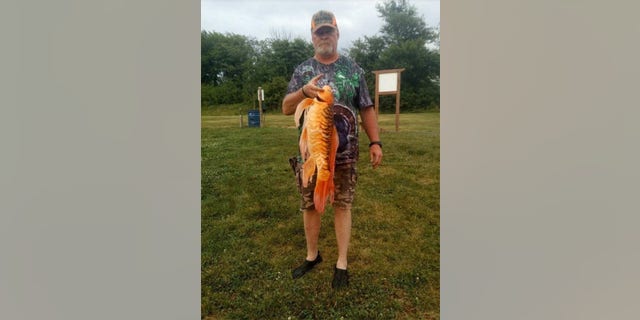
x=326 y=94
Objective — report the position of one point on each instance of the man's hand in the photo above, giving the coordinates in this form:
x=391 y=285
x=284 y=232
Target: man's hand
x=311 y=89
x=375 y=154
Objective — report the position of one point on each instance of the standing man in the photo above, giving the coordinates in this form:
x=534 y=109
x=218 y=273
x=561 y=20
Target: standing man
x=351 y=97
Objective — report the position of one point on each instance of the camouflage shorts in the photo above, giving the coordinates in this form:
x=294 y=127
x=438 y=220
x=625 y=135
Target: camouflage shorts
x=345 y=179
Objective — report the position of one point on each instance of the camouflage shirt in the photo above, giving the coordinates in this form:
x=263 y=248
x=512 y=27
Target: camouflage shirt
x=351 y=94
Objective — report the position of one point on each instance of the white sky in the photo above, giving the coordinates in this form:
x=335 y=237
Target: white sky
x=263 y=19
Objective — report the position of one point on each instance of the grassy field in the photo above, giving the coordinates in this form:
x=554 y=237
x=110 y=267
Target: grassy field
x=252 y=232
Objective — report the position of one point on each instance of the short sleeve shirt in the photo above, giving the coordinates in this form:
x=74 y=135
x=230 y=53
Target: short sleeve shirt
x=351 y=94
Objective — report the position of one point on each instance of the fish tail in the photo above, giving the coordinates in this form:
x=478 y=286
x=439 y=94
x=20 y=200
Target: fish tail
x=321 y=193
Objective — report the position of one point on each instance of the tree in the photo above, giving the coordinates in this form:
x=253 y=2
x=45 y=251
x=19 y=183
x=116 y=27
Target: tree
x=274 y=65
x=366 y=53
x=402 y=43
x=224 y=57
x=224 y=61
x=421 y=66
x=234 y=66
x=278 y=57
x=401 y=23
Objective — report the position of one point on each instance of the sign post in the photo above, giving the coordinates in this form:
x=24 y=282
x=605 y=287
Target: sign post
x=388 y=82
x=260 y=99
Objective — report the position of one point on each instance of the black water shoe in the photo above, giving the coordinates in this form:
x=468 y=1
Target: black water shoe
x=305 y=267
x=340 y=278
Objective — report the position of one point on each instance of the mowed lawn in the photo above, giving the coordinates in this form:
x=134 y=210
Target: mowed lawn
x=252 y=231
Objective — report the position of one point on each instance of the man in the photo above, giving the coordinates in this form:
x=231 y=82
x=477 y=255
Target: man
x=351 y=96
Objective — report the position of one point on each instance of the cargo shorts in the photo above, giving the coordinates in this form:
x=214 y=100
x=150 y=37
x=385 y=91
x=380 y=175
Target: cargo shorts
x=345 y=179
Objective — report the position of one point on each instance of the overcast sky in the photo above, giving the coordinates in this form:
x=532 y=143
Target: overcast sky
x=264 y=19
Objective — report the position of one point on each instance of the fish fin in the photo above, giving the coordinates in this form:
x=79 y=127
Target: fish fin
x=303 y=105
x=333 y=150
x=303 y=144
x=308 y=169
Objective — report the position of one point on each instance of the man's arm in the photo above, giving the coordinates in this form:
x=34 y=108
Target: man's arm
x=370 y=124
x=290 y=101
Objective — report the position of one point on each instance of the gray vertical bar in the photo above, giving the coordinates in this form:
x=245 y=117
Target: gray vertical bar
x=99 y=172
x=540 y=160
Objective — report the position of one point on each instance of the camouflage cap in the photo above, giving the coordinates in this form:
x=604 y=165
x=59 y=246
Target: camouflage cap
x=323 y=18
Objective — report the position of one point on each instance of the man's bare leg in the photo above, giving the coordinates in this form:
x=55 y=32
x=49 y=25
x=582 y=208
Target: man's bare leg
x=312 y=221
x=342 y=221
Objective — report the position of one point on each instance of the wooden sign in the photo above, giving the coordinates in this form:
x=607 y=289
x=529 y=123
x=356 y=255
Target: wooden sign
x=387 y=83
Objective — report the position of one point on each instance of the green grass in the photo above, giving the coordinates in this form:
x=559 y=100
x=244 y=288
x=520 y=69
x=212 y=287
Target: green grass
x=226 y=110
x=252 y=232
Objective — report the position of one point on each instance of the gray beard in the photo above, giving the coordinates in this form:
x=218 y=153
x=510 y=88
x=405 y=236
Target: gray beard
x=325 y=51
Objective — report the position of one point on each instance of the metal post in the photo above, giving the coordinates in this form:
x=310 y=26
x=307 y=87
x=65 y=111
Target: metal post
x=260 y=105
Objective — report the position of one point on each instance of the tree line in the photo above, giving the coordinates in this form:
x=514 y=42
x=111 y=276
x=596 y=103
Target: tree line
x=233 y=66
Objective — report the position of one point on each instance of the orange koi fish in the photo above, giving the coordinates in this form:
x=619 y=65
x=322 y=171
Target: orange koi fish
x=318 y=145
